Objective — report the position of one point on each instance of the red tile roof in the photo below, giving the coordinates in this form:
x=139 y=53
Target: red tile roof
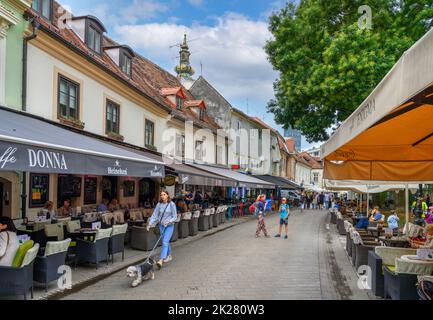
x=195 y=103
x=178 y=91
x=311 y=160
x=146 y=77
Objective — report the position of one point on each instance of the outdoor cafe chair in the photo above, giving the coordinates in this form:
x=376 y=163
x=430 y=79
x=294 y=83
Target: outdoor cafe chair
x=46 y=267
x=55 y=232
x=18 y=281
x=117 y=241
x=378 y=259
x=400 y=282
x=175 y=235
x=94 y=251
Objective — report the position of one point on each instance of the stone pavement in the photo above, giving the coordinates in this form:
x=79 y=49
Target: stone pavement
x=233 y=264
x=87 y=273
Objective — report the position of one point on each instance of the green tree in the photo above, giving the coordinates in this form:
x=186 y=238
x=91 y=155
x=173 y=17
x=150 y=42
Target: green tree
x=328 y=65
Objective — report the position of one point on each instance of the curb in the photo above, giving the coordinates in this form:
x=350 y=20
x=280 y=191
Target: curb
x=61 y=293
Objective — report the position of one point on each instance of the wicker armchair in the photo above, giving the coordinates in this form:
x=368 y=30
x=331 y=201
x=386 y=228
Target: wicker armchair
x=203 y=220
x=141 y=239
x=117 y=241
x=18 y=281
x=46 y=267
x=378 y=259
x=401 y=283
x=94 y=251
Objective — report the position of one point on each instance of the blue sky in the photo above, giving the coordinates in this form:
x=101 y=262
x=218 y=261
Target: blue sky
x=227 y=40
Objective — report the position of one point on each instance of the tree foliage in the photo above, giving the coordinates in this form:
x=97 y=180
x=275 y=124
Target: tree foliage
x=328 y=65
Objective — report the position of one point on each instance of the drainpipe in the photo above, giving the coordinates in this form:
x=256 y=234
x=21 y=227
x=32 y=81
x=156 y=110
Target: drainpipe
x=35 y=27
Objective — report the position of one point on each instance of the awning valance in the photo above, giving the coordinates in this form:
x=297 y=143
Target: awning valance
x=279 y=182
x=31 y=144
x=362 y=187
x=192 y=176
x=242 y=180
x=390 y=136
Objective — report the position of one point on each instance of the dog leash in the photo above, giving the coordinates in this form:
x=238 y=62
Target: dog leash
x=156 y=245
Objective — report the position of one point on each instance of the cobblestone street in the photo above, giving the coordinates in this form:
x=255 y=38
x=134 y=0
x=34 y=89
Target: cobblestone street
x=233 y=264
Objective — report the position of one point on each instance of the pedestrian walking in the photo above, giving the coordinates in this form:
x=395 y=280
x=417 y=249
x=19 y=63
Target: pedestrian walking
x=284 y=218
x=303 y=201
x=315 y=201
x=260 y=213
x=166 y=214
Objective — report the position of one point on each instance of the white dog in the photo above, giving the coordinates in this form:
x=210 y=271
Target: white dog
x=141 y=272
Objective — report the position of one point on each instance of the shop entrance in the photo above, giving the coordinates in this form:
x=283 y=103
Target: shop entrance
x=146 y=191
x=109 y=188
x=5 y=198
x=2 y=197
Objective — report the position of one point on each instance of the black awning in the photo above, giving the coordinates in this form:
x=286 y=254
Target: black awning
x=31 y=144
x=194 y=176
x=281 y=182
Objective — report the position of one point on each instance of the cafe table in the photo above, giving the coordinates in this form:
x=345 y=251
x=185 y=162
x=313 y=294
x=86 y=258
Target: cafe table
x=397 y=242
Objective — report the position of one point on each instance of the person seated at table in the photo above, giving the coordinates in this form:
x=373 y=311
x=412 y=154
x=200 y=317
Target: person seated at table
x=9 y=242
x=393 y=220
x=147 y=211
x=102 y=207
x=48 y=211
x=181 y=206
x=66 y=210
x=189 y=198
x=376 y=215
x=429 y=215
x=114 y=205
x=429 y=242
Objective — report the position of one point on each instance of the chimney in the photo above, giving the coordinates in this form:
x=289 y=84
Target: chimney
x=290 y=143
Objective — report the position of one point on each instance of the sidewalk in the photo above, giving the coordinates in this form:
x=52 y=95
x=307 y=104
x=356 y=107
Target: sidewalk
x=86 y=275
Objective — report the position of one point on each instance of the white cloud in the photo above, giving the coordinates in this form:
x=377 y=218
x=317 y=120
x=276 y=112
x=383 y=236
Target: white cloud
x=231 y=52
x=196 y=3
x=142 y=9
x=136 y=10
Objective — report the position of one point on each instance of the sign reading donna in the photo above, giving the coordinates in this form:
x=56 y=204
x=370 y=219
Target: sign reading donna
x=37 y=158
x=21 y=157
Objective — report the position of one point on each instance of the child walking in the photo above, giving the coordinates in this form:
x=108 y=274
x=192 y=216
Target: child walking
x=284 y=218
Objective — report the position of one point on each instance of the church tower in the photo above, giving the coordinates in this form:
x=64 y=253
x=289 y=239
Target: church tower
x=184 y=70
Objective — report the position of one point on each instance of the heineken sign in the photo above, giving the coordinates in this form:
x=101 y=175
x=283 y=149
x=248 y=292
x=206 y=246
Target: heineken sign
x=21 y=157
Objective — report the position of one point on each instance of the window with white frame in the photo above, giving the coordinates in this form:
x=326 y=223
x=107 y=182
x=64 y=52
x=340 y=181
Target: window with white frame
x=199 y=150
x=180 y=145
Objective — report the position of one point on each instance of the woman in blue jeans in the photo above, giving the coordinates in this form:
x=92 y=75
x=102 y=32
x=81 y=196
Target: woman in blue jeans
x=165 y=214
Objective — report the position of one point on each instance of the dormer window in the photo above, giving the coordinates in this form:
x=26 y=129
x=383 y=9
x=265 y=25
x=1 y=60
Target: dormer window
x=90 y=30
x=43 y=7
x=122 y=55
x=126 y=63
x=176 y=96
x=94 y=39
x=179 y=103
x=198 y=107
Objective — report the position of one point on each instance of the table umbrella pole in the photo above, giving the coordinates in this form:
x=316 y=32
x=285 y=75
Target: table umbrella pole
x=406 y=203
x=367 y=204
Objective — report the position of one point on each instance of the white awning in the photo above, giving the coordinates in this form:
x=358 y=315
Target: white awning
x=242 y=179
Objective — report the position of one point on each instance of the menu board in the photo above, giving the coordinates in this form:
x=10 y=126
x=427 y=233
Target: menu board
x=90 y=189
x=128 y=188
x=39 y=189
x=68 y=187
